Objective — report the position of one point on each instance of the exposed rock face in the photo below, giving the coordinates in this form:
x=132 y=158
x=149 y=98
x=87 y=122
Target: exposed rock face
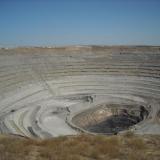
x=43 y=90
x=108 y=119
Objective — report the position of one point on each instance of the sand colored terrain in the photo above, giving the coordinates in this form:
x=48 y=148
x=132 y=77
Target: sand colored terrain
x=43 y=89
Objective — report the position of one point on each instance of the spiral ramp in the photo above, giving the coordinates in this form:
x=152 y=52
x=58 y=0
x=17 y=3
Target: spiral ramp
x=43 y=89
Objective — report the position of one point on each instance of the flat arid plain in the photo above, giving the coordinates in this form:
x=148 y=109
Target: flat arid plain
x=88 y=94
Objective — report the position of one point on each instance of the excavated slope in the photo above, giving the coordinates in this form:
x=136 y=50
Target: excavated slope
x=47 y=92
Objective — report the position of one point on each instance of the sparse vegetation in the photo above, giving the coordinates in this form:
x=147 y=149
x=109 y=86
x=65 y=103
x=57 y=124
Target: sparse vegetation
x=82 y=147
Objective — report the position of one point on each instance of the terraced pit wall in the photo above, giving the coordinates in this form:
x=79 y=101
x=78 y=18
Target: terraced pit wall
x=43 y=89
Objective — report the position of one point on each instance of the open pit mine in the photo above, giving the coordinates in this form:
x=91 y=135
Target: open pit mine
x=52 y=91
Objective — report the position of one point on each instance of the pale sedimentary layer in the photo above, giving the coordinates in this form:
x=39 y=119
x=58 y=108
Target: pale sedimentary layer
x=43 y=89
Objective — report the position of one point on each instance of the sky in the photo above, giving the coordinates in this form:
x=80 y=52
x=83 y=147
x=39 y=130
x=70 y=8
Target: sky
x=79 y=22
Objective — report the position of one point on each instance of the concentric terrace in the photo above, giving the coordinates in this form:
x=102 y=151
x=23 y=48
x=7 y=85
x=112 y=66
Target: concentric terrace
x=47 y=92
